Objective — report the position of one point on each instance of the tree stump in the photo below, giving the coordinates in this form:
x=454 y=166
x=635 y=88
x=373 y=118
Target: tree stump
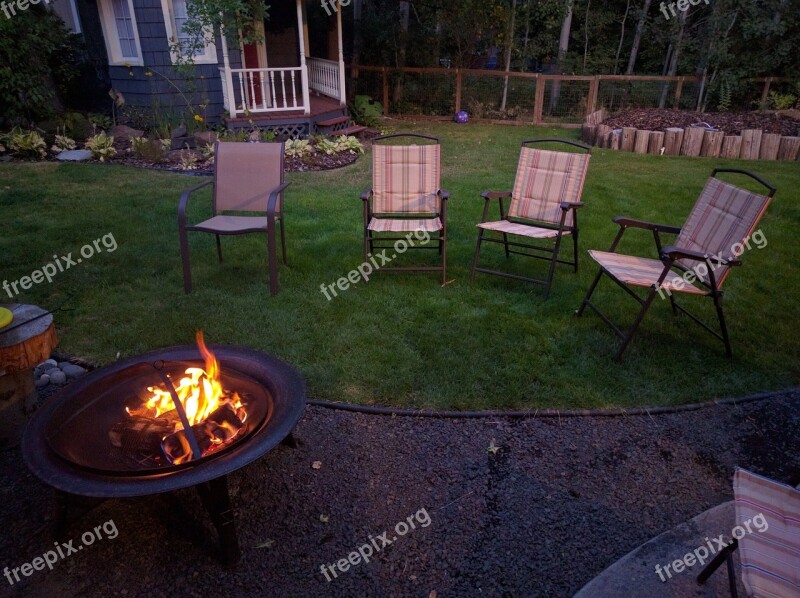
x=692 y=141
x=770 y=143
x=601 y=135
x=673 y=139
x=751 y=144
x=628 y=139
x=712 y=144
x=615 y=139
x=641 y=142
x=789 y=148
x=656 y=142
x=731 y=146
x=26 y=342
x=587 y=134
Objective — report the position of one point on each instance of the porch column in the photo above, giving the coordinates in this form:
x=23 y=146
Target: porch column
x=227 y=76
x=342 y=94
x=303 y=67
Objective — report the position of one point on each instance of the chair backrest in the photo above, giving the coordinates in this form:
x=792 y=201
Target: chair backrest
x=721 y=223
x=770 y=558
x=245 y=174
x=545 y=178
x=406 y=178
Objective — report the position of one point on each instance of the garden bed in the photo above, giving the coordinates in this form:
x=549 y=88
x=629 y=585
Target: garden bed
x=732 y=123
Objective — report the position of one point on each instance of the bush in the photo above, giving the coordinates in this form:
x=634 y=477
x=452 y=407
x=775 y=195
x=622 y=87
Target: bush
x=152 y=150
x=367 y=112
x=26 y=144
x=62 y=143
x=298 y=148
x=101 y=146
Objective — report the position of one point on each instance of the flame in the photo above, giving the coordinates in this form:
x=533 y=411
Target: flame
x=200 y=391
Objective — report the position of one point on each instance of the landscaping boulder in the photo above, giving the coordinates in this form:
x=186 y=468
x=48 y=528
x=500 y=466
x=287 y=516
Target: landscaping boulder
x=179 y=132
x=202 y=138
x=75 y=155
x=125 y=133
x=73 y=371
x=57 y=376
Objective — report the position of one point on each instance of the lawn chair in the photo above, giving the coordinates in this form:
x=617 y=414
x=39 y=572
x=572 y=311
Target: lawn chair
x=248 y=177
x=770 y=553
x=544 y=203
x=406 y=197
x=723 y=219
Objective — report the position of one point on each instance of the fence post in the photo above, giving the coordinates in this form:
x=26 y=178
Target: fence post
x=765 y=92
x=538 y=105
x=678 y=92
x=385 y=91
x=458 y=91
x=594 y=91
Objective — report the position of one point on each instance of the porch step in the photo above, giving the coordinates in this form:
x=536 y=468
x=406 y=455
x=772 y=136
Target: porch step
x=352 y=130
x=332 y=122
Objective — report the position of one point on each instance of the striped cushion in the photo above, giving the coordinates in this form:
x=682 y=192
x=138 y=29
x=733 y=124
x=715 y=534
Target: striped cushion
x=723 y=217
x=405 y=179
x=544 y=180
x=642 y=272
x=404 y=225
x=770 y=559
x=525 y=230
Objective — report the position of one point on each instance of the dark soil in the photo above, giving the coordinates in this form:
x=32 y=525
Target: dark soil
x=552 y=504
x=732 y=123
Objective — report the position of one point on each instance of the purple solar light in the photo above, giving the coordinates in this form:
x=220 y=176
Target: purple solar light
x=462 y=118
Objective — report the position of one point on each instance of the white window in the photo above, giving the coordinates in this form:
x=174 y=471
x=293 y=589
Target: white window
x=175 y=17
x=119 y=29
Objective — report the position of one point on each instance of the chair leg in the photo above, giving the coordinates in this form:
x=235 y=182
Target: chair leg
x=443 y=251
x=477 y=255
x=185 y=260
x=723 y=327
x=283 y=243
x=367 y=244
x=589 y=293
x=635 y=327
x=505 y=242
x=219 y=248
x=575 y=250
x=272 y=257
x=552 y=270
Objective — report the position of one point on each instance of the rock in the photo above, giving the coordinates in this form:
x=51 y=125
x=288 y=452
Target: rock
x=5 y=158
x=74 y=155
x=125 y=132
x=202 y=138
x=42 y=381
x=37 y=372
x=179 y=132
x=46 y=367
x=48 y=361
x=57 y=376
x=73 y=371
x=180 y=143
x=254 y=137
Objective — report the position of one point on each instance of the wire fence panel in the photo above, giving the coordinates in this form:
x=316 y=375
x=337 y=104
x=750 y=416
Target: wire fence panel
x=368 y=83
x=422 y=93
x=565 y=100
x=617 y=96
x=482 y=97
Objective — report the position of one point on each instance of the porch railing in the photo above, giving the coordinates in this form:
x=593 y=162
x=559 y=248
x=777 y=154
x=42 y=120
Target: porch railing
x=323 y=76
x=261 y=91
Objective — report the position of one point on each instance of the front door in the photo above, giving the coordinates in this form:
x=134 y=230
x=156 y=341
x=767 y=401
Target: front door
x=254 y=56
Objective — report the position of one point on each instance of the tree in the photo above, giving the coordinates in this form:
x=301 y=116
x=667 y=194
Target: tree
x=637 y=38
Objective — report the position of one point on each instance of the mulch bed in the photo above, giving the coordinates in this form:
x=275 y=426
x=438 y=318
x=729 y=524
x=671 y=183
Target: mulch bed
x=533 y=507
x=732 y=123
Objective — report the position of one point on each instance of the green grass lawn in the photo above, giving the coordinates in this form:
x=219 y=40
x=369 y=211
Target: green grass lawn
x=402 y=339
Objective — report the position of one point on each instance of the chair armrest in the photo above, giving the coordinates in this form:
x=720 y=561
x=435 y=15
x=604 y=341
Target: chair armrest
x=633 y=223
x=675 y=253
x=273 y=198
x=365 y=195
x=495 y=194
x=443 y=193
x=571 y=205
x=185 y=201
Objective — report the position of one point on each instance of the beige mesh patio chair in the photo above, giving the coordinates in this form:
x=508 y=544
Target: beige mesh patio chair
x=406 y=197
x=767 y=538
x=247 y=197
x=707 y=247
x=544 y=205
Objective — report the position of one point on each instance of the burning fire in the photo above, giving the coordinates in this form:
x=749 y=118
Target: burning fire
x=216 y=417
x=200 y=391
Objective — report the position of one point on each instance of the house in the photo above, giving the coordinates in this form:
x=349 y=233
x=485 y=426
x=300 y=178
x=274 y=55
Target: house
x=293 y=82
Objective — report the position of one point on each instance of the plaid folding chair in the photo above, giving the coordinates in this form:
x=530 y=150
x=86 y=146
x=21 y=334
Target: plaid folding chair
x=544 y=204
x=723 y=219
x=769 y=550
x=406 y=197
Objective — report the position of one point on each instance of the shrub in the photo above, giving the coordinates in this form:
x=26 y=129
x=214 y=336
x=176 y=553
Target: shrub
x=367 y=112
x=298 y=148
x=101 y=121
x=349 y=144
x=101 y=146
x=26 y=144
x=151 y=150
x=327 y=146
x=62 y=143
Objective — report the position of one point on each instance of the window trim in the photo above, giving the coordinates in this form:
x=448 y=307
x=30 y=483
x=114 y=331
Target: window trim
x=209 y=55
x=111 y=36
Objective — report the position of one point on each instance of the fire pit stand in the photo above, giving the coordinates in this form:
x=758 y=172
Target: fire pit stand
x=68 y=469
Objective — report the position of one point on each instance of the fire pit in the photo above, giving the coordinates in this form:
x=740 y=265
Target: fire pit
x=169 y=419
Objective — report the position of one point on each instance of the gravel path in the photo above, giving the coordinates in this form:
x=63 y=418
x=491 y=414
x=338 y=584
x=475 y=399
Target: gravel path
x=553 y=503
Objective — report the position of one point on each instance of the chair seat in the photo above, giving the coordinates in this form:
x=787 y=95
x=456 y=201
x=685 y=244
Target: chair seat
x=405 y=225
x=642 y=272
x=524 y=230
x=232 y=224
